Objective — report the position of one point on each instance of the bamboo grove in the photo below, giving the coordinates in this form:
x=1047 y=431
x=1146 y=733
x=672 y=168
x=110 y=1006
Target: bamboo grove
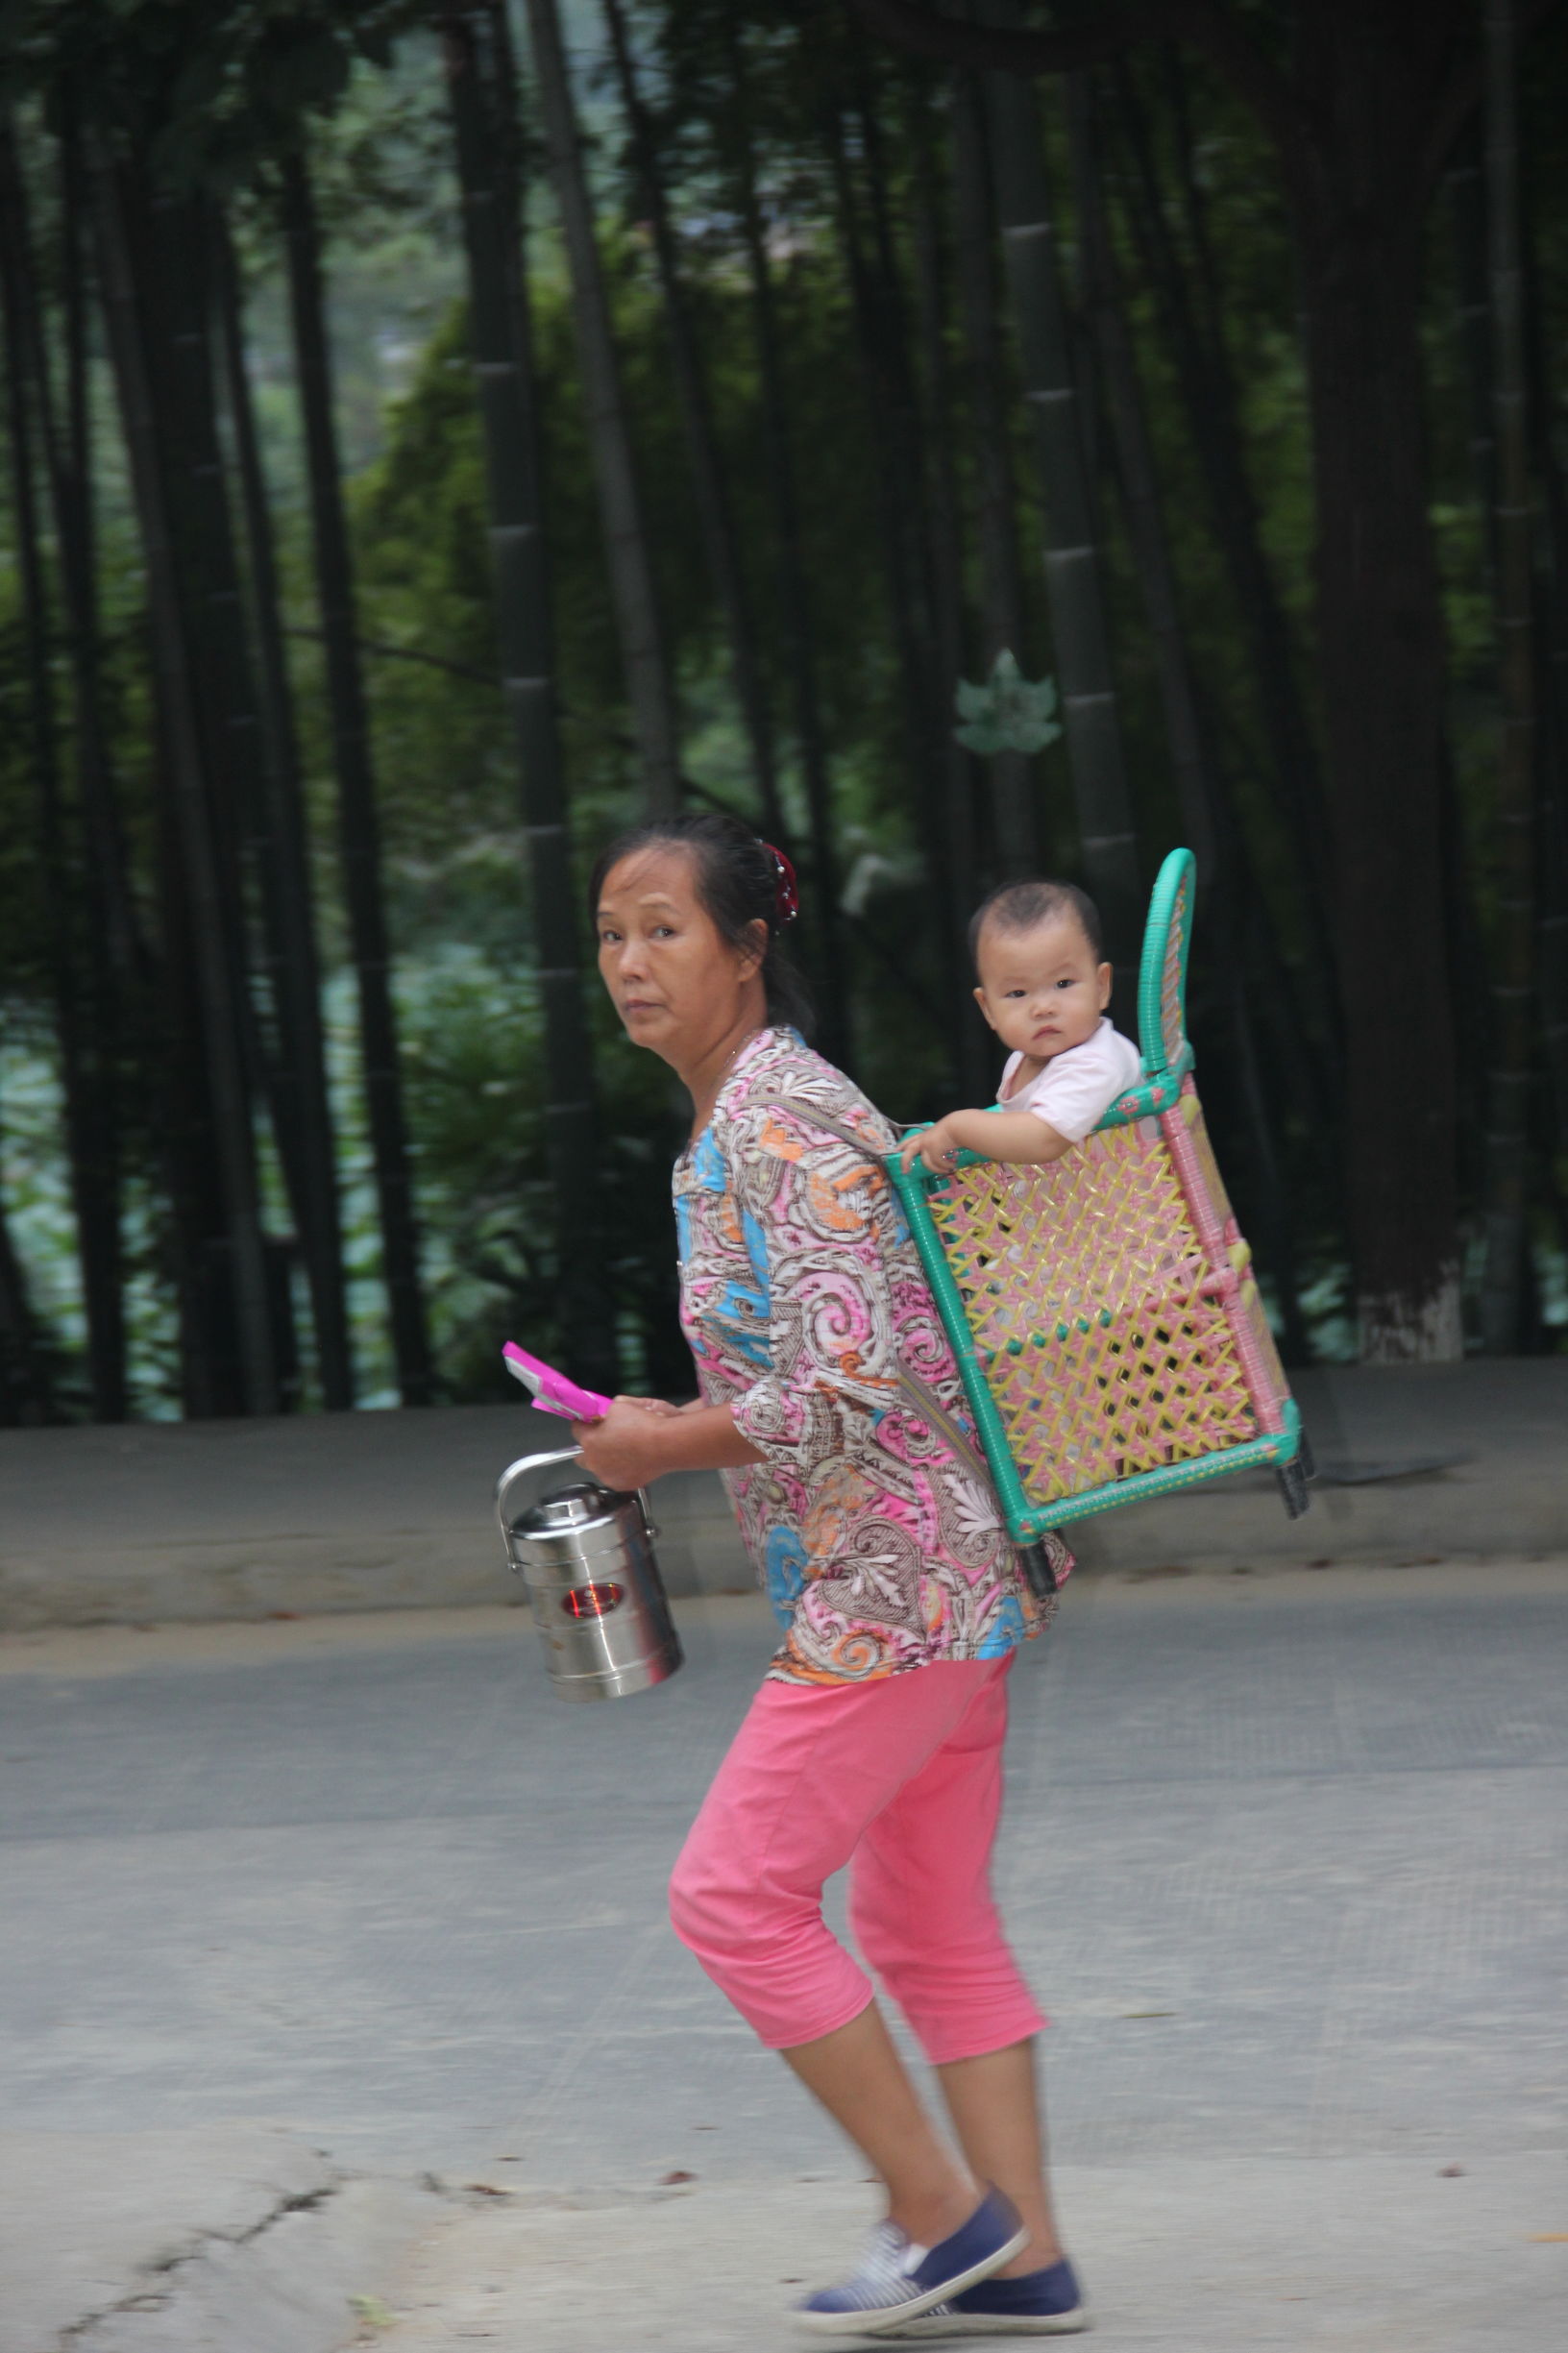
x=1183 y=384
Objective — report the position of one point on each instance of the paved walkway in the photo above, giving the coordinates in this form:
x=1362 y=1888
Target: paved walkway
x=1285 y=1857
x=319 y=1513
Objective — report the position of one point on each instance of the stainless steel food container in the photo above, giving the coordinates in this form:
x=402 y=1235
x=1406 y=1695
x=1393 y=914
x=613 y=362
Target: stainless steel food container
x=586 y=1556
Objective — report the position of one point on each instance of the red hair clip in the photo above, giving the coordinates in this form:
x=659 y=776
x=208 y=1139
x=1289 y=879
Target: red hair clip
x=786 y=890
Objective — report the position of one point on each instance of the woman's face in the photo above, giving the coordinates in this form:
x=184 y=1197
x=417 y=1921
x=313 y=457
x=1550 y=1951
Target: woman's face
x=678 y=985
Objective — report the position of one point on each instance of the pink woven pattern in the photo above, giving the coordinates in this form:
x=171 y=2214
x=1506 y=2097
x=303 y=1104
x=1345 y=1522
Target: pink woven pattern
x=1097 y=1312
x=1207 y=1199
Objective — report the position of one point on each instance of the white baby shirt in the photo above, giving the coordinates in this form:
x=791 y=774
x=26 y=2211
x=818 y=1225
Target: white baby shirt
x=1076 y=1089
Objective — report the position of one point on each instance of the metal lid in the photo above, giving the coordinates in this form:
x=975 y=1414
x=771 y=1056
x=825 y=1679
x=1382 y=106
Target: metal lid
x=582 y=1504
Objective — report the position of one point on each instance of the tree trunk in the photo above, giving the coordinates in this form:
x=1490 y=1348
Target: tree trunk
x=1203 y=373
x=1380 y=633
x=962 y=770
x=297 y=1079
x=627 y=555
x=710 y=496
x=77 y=953
x=1224 y=877
x=1014 y=775
x=1551 y=653
x=896 y=470
x=358 y=825
x=1108 y=841
x=1466 y=190
x=224 y=1282
x=71 y=472
x=1147 y=541
x=483 y=107
x=1513 y=991
x=794 y=600
x=27 y=1387
x=223 y=678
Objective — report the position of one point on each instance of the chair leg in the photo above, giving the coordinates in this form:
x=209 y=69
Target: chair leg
x=1036 y=1567
x=1293 y=1493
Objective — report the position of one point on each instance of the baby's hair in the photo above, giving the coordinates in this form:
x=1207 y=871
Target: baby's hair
x=1019 y=906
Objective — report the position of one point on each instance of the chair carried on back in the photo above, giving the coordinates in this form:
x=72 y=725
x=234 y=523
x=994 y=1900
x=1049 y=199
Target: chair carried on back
x=1103 y=1309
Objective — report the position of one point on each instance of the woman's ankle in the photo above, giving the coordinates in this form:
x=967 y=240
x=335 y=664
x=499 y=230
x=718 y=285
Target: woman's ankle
x=929 y=2216
x=1044 y=2248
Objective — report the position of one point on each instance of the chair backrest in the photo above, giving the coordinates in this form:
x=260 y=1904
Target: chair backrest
x=1103 y=1310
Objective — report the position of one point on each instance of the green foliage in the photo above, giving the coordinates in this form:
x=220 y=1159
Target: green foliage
x=212 y=92
x=1008 y=712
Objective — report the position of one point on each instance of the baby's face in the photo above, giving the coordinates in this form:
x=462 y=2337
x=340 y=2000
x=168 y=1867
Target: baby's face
x=1041 y=989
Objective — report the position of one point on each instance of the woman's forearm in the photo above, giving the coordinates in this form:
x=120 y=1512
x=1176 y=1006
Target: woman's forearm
x=633 y=1445
x=704 y=1438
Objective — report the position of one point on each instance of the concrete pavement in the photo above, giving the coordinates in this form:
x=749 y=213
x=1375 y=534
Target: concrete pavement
x=192 y=1520
x=354 y=1907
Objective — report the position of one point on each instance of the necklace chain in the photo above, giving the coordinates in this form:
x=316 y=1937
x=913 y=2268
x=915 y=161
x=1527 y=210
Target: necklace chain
x=736 y=1048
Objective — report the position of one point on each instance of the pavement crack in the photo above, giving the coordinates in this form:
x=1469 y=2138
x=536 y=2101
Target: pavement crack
x=77 y=2337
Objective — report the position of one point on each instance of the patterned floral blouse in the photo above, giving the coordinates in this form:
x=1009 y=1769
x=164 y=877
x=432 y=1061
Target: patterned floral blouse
x=803 y=1296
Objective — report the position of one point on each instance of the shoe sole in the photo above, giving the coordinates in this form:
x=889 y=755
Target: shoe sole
x=998 y=2324
x=886 y=2323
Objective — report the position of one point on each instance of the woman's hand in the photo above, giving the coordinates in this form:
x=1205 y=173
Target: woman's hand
x=641 y=1438
x=625 y=1449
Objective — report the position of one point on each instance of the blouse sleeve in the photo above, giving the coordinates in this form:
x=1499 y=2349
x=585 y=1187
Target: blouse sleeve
x=823 y=1213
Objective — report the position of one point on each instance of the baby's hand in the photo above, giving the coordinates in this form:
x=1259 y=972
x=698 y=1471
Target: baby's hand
x=937 y=1146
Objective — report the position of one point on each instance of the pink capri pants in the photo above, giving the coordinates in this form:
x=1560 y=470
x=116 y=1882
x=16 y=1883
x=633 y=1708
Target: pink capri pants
x=901 y=1779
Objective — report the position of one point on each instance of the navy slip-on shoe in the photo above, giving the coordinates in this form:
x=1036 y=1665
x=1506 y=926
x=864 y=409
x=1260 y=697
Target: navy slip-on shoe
x=897 y=2281
x=1044 y=2303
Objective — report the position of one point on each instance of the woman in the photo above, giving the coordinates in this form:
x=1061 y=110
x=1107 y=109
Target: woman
x=830 y=1400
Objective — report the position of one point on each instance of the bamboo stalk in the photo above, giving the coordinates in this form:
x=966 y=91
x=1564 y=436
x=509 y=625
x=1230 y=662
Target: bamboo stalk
x=303 y=1105
x=1207 y=389
x=1108 y=841
x=1513 y=982
x=897 y=473
x=710 y=492
x=1014 y=776
x=627 y=551
x=358 y=820
x=793 y=594
x=962 y=770
x=233 y=1279
x=484 y=107
x=77 y=948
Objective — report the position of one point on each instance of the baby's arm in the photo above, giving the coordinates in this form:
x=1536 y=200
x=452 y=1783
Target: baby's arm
x=1014 y=1136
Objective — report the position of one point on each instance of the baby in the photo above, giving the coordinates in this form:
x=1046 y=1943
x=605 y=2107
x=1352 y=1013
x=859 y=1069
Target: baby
x=1043 y=988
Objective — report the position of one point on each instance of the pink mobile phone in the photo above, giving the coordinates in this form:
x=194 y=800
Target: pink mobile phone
x=552 y=1390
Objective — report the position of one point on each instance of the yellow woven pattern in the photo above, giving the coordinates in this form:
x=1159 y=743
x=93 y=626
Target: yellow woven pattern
x=1090 y=1270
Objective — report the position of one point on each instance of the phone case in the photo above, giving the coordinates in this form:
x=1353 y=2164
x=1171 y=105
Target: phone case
x=552 y=1390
